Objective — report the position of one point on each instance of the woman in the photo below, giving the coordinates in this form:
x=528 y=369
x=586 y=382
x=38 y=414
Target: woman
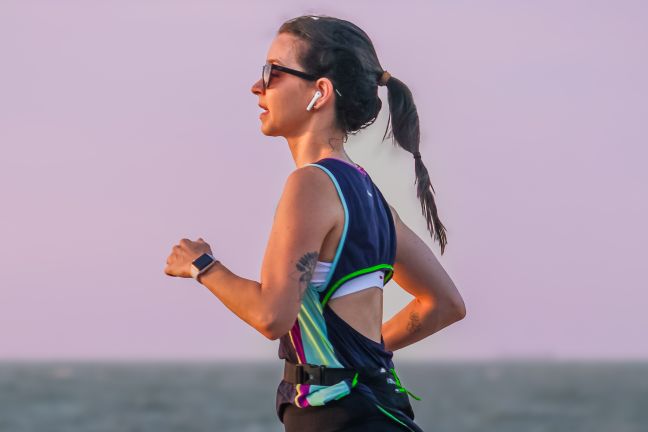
x=335 y=241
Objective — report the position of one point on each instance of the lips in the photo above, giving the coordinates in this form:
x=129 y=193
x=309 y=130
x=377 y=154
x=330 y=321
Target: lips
x=264 y=112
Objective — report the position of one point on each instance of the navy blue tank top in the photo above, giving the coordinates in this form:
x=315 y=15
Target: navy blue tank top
x=319 y=336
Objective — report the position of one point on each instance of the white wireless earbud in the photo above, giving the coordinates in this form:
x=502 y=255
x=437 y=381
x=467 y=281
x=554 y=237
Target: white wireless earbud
x=317 y=95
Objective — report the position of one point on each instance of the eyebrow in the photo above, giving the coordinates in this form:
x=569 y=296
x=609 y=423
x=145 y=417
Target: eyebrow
x=274 y=60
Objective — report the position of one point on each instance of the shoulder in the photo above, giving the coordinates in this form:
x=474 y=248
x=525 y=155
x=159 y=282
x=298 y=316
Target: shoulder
x=308 y=174
x=309 y=191
x=310 y=180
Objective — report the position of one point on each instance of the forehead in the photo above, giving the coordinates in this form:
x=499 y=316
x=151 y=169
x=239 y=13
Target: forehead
x=284 y=50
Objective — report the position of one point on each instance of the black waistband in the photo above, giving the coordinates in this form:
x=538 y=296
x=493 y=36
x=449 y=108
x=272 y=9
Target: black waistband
x=305 y=373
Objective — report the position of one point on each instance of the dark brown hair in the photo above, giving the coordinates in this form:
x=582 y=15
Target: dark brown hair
x=342 y=52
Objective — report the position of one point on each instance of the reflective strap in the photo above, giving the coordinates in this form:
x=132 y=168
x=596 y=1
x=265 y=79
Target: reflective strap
x=355 y=380
x=391 y=416
x=400 y=387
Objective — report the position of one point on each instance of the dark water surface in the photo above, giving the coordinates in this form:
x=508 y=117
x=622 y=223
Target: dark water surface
x=201 y=396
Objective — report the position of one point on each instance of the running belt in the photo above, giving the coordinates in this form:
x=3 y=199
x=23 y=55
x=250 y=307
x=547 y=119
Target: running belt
x=367 y=249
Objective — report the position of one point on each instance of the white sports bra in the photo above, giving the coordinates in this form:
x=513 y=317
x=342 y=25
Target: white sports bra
x=358 y=283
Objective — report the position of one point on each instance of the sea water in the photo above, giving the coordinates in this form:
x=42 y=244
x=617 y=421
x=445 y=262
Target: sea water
x=488 y=396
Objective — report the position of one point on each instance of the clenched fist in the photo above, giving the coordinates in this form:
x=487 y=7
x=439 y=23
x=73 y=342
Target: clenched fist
x=183 y=254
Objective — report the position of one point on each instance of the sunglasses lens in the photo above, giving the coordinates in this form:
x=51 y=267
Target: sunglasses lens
x=266 y=76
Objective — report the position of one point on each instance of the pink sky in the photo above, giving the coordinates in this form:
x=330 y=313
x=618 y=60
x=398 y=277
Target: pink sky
x=112 y=114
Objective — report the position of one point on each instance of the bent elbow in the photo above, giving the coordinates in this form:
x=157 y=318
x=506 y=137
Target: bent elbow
x=460 y=308
x=273 y=334
x=265 y=326
x=273 y=329
x=268 y=333
x=280 y=319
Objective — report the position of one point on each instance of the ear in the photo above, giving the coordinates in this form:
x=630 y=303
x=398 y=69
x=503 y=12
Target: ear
x=325 y=86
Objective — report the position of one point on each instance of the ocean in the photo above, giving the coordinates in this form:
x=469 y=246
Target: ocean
x=484 y=396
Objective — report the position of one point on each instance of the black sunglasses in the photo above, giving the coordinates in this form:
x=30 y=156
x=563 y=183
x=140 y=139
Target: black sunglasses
x=266 y=74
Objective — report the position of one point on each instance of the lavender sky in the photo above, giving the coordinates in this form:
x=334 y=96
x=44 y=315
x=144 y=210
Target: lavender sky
x=128 y=125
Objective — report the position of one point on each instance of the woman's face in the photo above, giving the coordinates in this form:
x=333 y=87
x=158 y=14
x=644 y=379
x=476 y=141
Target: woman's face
x=287 y=96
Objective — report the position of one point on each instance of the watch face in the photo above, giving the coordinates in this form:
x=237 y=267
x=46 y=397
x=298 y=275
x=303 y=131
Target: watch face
x=202 y=261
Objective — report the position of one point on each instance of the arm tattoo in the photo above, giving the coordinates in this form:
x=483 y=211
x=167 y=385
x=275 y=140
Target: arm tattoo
x=414 y=323
x=306 y=267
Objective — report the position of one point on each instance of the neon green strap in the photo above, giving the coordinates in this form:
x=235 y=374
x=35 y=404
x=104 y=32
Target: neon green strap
x=355 y=380
x=400 y=388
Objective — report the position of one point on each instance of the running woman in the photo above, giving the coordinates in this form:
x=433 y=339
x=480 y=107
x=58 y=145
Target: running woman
x=335 y=241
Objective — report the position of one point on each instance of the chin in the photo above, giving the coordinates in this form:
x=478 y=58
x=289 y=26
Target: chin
x=268 y=131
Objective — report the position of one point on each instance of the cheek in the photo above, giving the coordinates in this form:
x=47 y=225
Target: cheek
x=286 y=109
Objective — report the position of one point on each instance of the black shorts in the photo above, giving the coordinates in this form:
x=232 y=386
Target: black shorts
x=354 y=412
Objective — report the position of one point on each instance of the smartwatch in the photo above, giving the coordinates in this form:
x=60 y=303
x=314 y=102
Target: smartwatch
x=201 y=264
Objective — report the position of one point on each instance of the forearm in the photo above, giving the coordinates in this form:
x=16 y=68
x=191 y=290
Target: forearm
x=242 y=296
x=417 y=321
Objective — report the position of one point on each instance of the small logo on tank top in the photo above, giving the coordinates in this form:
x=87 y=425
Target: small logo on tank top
x=369 y=193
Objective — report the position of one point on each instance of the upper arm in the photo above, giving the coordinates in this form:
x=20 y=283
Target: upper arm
x=303 y=218
x=418 y=271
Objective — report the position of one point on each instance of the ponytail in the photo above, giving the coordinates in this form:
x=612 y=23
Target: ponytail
x=404 y=121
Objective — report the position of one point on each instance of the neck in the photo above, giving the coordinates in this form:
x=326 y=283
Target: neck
x=312 y=146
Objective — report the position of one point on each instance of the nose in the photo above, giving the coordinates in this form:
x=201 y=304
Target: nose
x=257 y=87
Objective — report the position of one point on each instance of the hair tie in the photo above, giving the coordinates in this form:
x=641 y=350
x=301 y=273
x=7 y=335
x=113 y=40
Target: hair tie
x=384 y=78
x=417 y=155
